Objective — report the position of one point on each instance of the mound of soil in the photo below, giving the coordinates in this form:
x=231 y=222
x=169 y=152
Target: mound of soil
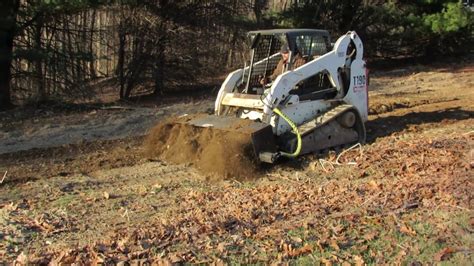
x=222 y=154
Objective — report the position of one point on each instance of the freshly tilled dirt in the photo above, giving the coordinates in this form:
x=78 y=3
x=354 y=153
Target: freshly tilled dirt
x=216 y=153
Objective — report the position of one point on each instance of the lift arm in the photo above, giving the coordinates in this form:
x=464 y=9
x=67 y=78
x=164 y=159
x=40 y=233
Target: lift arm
x=329 y=62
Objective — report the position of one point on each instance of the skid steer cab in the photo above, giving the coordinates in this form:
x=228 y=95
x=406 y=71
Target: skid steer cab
x=302 y=93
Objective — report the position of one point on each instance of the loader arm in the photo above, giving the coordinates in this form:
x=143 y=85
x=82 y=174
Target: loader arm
x=330 y=62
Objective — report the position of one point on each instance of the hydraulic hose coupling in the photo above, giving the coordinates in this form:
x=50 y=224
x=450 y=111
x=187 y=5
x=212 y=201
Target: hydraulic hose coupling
x=295 y=131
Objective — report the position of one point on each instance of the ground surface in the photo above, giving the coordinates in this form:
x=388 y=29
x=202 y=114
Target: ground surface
x=78 y=187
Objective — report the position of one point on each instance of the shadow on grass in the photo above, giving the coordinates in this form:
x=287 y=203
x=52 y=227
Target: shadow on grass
x=385 y=126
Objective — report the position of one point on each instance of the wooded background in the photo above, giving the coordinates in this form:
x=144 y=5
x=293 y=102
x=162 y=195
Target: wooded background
x=60 y=50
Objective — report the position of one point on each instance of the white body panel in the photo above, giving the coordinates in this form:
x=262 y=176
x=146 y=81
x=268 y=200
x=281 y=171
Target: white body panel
x=357 y=94
x=298 y=113
x=279 y=95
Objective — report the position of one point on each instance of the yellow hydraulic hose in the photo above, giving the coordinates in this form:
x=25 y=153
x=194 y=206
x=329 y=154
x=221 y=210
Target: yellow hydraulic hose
x=295 y=130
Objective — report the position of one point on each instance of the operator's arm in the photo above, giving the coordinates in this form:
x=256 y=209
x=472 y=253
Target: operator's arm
x=299 y=61
x=278 y=70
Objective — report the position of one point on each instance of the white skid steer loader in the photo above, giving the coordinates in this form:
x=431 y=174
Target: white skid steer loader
x=318 y=105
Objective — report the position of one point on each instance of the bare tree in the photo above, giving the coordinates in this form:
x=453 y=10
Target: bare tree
x=8 y=12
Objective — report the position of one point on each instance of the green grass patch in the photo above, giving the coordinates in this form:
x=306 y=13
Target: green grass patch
x=383 y=240
x=64 y=201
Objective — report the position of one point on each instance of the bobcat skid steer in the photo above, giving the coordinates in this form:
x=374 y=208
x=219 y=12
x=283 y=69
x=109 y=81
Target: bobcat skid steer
x=318 y=105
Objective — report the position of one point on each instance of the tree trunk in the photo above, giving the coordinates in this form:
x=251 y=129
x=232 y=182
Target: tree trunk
x=91 y=46
x=159 y=71
x=39 y=77
x=258 y=7
x=8 y=11
x=120 y=71
x=159 y=74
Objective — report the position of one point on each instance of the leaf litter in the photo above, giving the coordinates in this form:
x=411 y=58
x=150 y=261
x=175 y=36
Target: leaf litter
x=334 y=217
x=405 y=198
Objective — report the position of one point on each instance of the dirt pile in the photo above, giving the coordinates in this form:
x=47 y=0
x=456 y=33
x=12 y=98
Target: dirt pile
x=222 y=154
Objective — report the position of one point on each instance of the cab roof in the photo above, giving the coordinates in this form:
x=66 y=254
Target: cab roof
x=291 y=32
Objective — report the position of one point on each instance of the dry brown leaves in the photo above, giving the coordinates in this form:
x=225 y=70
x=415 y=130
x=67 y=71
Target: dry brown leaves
x=391 y=178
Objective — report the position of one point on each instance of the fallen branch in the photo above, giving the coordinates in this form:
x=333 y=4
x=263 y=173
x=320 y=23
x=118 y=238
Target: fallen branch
x=322 y=162
x=125 y=214
x=455 y=206
x=351 y=148
x=4 y=176
x=371 y=198
x=116 y=107
x=468 y=133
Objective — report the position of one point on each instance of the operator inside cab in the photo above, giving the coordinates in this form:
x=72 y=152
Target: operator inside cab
x=284 y=64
